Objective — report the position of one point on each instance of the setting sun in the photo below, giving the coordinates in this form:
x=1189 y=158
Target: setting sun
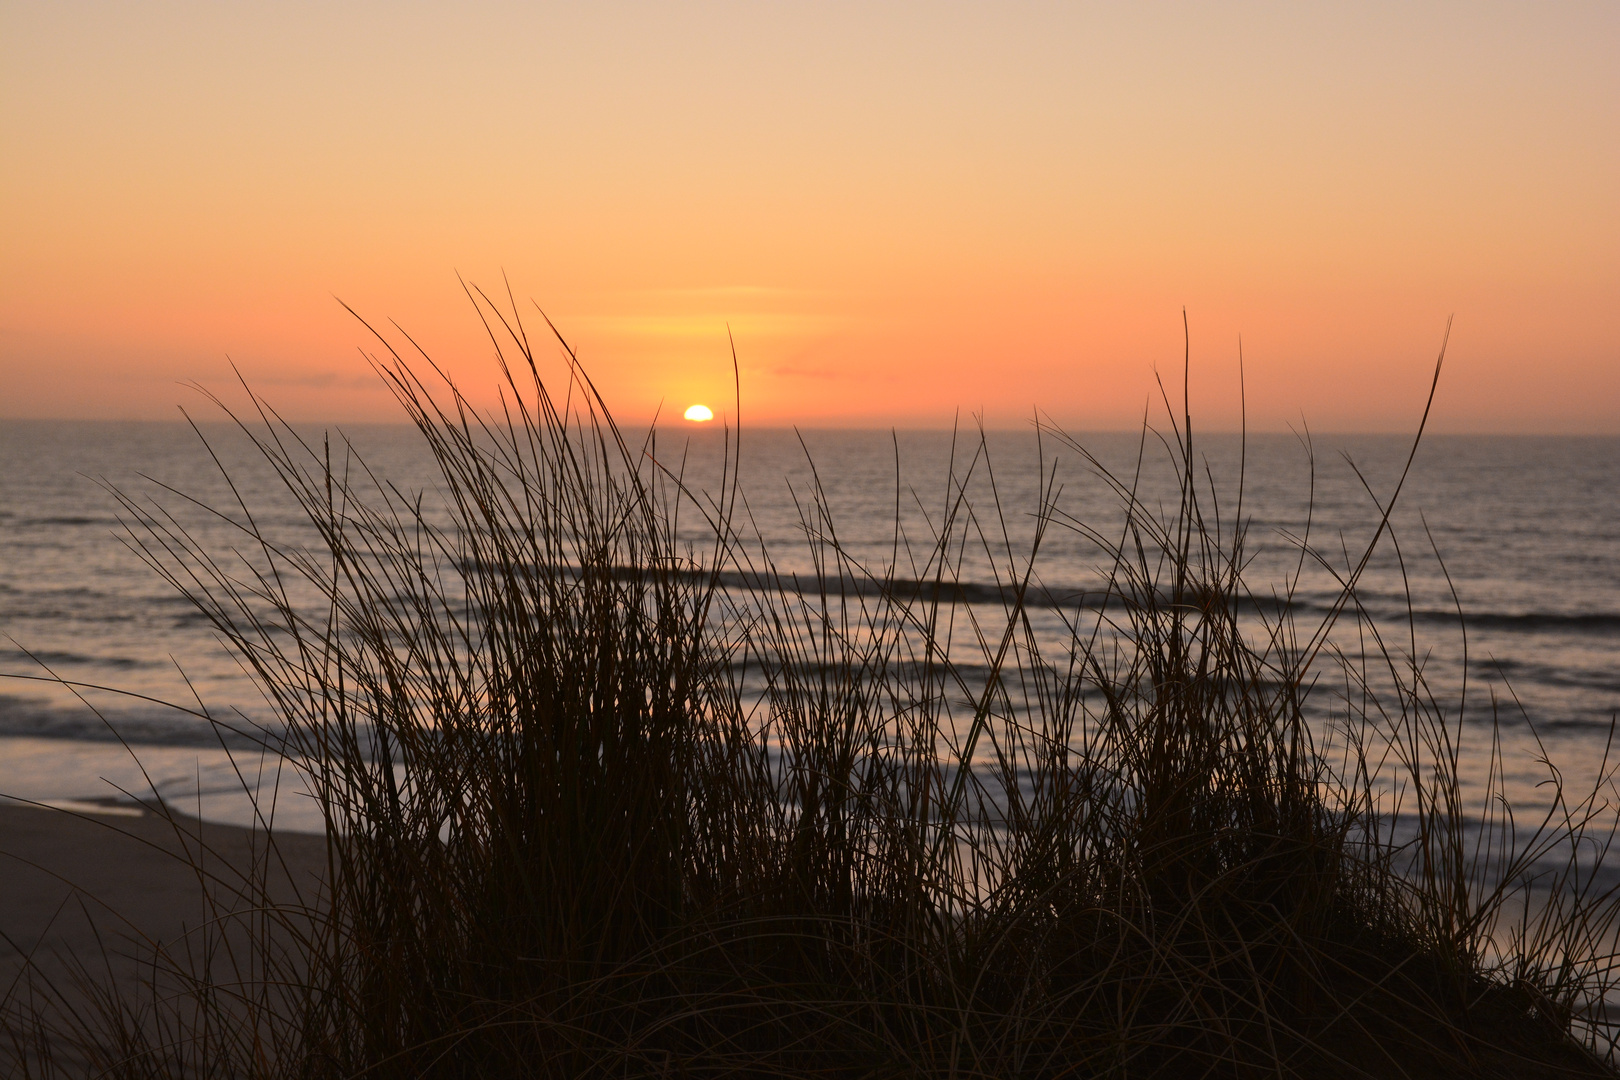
x=700 y=413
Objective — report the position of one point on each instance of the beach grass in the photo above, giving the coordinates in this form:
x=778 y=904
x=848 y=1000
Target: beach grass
x=600 y=802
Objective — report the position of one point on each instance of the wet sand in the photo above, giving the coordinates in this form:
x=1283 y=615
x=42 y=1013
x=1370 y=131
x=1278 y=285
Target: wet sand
x=92 y=893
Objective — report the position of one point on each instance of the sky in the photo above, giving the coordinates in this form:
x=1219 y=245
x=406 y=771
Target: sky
x=900 y=213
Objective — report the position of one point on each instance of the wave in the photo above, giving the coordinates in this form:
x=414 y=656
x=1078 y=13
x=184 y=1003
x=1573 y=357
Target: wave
x=1388 y=609
x=1596 y=622
x=904 y=590
x=137 y=726
x=1601 y=679
x=101 y=614
x=1072 y=596
x=64 y=519
x=58 y=658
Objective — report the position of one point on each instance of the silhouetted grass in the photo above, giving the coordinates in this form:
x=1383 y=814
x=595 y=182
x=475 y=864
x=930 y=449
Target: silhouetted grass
x=601 y=804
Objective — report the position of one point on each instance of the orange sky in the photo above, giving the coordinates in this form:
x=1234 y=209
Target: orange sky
x=900 y=212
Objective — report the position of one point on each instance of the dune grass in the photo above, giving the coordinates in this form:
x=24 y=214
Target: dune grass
x=600 y=803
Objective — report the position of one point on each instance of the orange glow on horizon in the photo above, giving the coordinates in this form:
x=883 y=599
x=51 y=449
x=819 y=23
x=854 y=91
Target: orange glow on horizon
x=888 y=216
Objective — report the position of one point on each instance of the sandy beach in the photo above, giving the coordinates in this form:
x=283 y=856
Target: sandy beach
x=94 y=892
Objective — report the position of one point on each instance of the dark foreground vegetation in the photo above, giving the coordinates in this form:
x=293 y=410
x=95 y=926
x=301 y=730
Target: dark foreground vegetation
x=603 y=804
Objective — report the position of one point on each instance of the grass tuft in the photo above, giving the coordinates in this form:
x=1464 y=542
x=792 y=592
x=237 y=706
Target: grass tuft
x=602 y=803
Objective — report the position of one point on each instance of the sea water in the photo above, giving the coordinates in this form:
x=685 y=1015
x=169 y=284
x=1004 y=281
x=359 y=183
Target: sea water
x=1498 y=576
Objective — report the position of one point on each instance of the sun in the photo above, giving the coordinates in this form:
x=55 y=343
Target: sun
x=700 y=413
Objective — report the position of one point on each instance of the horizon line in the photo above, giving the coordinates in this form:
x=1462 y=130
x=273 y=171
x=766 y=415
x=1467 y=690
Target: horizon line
x=679 y=425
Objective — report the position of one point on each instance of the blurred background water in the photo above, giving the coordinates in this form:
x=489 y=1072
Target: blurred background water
x=1508 y=546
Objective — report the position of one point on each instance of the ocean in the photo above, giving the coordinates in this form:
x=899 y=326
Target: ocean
x=1500 y=578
